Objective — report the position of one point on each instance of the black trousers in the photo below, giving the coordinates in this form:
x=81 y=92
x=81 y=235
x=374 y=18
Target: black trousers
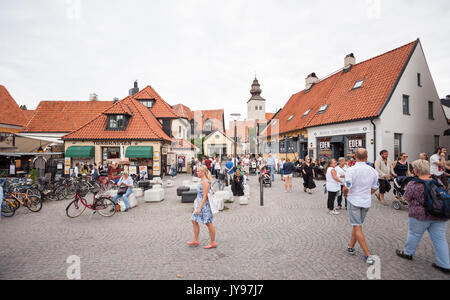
x=340 y=198
x=331 y=198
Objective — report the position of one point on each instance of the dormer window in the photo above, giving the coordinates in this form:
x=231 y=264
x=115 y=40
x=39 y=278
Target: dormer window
x=117 y=122
x=208 y=126
x=307 y=113
x=148 y=103
x=322 y=109
x=358 y=84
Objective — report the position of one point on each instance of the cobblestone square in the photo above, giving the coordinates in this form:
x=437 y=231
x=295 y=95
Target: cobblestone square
x=291 y=237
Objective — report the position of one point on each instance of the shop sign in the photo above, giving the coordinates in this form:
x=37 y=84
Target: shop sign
x=156 y=167
x=133 y=170
x=164 y=150
x=113 y=143
x=325 y=145
x=355 y=143
x=156 y=156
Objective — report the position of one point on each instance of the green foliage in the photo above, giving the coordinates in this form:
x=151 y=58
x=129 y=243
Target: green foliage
x=34 y=175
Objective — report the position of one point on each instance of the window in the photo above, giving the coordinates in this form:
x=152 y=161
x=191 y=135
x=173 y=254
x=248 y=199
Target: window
x=358 y=84
x=256 y=107
x=397 y=144
x=117 y=122
x=430 y=110
x=179 y=132
x=260 y=108
x=307 y=113
x=419 y=79
x=208 y=125
x=290 y=118
x=405 y=104
x=322 y=109
x=148 y=103
x=436 y=142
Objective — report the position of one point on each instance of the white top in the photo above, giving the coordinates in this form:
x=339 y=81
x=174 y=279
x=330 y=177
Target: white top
x=217 y=165
x=434 y=168
x=332 y=184
x=341 y=171
x=360 y=180
x=128 y=181
x=246 y=161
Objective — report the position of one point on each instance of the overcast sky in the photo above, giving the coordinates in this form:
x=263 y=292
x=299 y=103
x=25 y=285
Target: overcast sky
x=204 y=53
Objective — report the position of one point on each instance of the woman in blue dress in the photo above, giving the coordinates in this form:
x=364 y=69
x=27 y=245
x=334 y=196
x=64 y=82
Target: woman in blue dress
x=202 y=212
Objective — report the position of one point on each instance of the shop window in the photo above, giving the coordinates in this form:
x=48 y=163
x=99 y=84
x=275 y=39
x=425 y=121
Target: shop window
x=397 y=144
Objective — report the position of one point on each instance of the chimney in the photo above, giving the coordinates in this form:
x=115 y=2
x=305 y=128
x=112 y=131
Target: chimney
x=311 y=80
x=134 y=90
x=349 y=61
x=93 y=97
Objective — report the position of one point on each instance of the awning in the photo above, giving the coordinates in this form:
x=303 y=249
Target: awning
x=337 y=139
x=80 y=151
x=139 y=152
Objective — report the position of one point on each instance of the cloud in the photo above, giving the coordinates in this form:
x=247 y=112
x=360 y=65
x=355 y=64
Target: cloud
x=203 y=53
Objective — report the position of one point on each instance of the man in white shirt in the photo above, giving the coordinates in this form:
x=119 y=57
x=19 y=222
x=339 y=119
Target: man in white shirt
x=361 y=181
x=246 y=163
x=438 y=165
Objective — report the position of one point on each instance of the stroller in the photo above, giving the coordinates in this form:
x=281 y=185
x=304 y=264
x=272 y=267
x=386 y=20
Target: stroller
x=252 y=169
x=400 y=184
x=265 y=177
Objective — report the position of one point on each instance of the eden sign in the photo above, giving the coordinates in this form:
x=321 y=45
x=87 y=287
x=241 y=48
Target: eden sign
x=113 y=143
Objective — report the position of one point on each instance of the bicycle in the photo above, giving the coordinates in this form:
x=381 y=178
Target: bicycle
x=103 y=205
x=7 y=209
x=15 y=200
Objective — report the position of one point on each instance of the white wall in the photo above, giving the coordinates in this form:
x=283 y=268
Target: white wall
x=185 y=129
x=418 y=131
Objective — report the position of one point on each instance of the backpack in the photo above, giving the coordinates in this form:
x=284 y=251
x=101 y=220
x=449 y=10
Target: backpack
x=437 y=200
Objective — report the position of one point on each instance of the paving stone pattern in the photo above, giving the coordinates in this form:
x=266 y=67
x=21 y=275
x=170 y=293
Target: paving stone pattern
x=291 y=237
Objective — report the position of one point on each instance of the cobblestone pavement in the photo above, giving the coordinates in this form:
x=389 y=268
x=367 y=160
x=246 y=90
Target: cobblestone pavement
x=291 y=237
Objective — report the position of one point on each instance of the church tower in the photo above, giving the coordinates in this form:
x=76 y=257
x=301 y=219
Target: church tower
x=256 y=106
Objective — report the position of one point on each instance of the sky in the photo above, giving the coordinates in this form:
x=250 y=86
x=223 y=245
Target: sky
x=204 y=53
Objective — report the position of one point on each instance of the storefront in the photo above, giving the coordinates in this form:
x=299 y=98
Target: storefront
x=142 y=156
x=340 y=140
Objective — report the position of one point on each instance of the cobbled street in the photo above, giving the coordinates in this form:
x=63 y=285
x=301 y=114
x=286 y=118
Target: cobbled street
x=291 y=237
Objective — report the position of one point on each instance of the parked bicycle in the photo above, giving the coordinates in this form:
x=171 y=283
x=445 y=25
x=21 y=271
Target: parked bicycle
x=13 y=202
x=101 y=204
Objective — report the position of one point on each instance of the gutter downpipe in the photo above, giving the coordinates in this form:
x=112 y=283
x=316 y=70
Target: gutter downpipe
x=374 y=140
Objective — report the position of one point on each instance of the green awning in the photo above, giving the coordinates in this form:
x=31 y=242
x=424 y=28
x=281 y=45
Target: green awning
x=80 y=151
x=139 y=152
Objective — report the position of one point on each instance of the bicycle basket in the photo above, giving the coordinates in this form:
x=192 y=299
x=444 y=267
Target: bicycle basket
x=82 y=192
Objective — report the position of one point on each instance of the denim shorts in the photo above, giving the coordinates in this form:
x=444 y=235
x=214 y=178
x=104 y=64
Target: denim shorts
x=357 y=214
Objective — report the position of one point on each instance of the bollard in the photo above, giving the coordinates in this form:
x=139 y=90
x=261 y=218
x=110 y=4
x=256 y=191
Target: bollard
x=261 y=187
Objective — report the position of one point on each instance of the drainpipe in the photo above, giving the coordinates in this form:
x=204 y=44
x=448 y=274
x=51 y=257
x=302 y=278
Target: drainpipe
x=374 y=140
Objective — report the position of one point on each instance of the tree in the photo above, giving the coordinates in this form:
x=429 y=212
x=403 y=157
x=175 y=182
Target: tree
x=23 y=107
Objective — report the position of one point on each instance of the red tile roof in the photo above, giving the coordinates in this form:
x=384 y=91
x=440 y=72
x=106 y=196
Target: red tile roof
x=380 y=75
x=269 y=116
x=142 y=125
x=183 y=111
x=10 y=112
x=28 y=114
x=64 y=116
x=160 y=109
x=216 y=116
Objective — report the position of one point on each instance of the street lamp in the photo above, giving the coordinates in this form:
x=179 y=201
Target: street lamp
x=235 y=118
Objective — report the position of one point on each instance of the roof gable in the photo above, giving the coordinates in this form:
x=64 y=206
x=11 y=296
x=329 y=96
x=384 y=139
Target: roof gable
x=142 y=125
x=160 y=109
x=11 y=114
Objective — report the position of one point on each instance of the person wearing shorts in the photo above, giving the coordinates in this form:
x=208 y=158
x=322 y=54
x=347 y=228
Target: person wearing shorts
x=361 y=181
x=288 y=173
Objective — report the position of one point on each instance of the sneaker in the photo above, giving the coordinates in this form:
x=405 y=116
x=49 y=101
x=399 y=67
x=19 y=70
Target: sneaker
x=339 y=208
x=369 y=259
x=336 y=212
x=351 y=251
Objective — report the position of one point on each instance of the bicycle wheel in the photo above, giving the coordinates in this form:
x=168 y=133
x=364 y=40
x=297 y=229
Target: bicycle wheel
x=7 y=209
x=34 y=203
x=105 y=207
x=69 y=192
x=75 y=209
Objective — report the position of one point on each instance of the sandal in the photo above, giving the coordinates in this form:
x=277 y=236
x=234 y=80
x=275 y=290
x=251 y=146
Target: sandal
x=403 y=255
x=193 y=243
x=211 y=246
